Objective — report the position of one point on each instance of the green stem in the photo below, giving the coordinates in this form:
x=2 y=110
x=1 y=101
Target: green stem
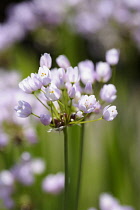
x=79 y=122
x=35 y=115
x=66 y=166
x=41 y=102
x=80 y=166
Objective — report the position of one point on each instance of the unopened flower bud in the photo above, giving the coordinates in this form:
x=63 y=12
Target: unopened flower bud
x=24 y=109
x=46 y=60
x=62 y=61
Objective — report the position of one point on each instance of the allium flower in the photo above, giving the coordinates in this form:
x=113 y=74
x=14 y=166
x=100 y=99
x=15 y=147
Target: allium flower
x=87 y=103
x=108 y=202
x=72 y=75
x=45 y=119
x=45 y=75
x=87 y=73
x=112 y=56
x=103 y=72
x=52 y=93
x=88 y=88
x=109 y=113
x=53 y=184
x=37 y=166
x=24 y=109
x=108 y=93
x=46 y=60
x=25 y=86
x=63 y=61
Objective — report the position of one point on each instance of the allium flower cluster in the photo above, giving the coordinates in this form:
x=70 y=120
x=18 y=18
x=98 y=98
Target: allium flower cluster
x=108 y=202
x=69 y=93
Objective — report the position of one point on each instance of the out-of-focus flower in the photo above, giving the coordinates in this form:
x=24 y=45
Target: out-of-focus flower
x=46 y=60
x=108 y=93
x=87 y=73
x=53 y=184
x=45 y=119
x=24 y=109
x=63 y=61
x=37 y=166
x=103 y=72
x=109 y=113
x=112 y=56
x=108 y=202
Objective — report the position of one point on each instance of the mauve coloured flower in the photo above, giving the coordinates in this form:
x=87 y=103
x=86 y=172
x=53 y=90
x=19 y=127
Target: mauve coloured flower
x=108 y=93
x=44 y=75
x=52 y=93
x=53 y=184
x=87 y=73
x=45 y=119
x=46 y=60
x=24 y=109
x=87 y=104
x=63 y=61
x=109 y=113
x=112 y=56
x=72 y=75
x=103 y=72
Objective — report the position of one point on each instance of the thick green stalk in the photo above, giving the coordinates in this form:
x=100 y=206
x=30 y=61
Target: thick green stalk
x=66 y=167
x=80 y=167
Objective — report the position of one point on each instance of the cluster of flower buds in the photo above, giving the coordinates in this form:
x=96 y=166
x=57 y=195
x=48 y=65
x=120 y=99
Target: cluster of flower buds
x=108 y=202
x=70 y=94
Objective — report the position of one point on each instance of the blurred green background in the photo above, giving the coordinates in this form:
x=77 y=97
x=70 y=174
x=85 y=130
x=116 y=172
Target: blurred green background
x=112 y=149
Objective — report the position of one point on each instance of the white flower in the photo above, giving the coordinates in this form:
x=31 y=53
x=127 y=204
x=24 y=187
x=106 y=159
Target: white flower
x=108 y=93
x=103 y=72
x=87 y=103
x=63 y=61
x=87 y=73
x=109 y=113
x=112 y=56
x=46 y=60
x=44 y=75
x=72 y=75
x=53 y=184
x=52 y=92
x=24 y=109
x=45 y=119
